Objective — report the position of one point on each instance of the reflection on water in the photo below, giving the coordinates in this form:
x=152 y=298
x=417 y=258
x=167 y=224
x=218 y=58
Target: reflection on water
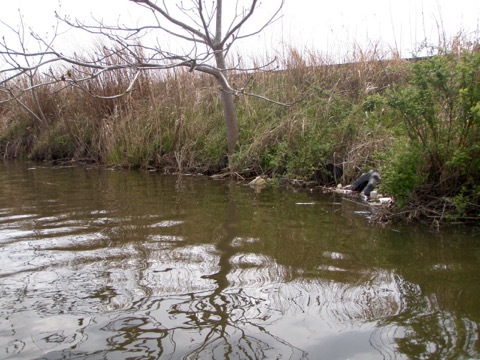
x=99 y=264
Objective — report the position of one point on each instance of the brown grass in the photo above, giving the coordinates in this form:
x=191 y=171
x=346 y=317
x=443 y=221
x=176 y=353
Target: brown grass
x=173 y=120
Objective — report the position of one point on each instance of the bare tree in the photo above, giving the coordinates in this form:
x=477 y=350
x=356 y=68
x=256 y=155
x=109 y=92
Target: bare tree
x=197 y=24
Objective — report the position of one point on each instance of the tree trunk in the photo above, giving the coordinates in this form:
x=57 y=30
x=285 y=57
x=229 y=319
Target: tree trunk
x=229 y=112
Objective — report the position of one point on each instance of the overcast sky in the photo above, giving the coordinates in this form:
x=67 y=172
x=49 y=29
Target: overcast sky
x=328 y=27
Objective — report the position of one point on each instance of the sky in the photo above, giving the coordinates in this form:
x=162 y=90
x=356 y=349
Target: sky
x=332 y=28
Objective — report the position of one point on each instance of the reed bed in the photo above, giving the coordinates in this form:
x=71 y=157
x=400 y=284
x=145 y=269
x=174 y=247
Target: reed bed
x=173 y=120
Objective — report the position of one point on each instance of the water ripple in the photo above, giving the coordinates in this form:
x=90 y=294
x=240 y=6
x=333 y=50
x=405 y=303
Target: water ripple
x=95 y=266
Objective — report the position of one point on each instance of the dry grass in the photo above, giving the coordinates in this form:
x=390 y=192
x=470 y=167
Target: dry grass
x=173 y=120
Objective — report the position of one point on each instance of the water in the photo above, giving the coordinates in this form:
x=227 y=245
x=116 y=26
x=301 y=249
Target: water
x=99 y=264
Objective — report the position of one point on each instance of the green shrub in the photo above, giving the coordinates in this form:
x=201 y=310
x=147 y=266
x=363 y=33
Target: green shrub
x=402 y=172
x=311 y=153
x=439 y=107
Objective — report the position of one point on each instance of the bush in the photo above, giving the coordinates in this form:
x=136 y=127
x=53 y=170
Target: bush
x=402 y=172
x=439 y=107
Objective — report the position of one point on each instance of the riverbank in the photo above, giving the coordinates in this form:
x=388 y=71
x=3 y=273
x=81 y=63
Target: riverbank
x=417 y=122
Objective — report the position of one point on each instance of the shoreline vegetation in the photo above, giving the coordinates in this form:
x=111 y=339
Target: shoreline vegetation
x=417 y=121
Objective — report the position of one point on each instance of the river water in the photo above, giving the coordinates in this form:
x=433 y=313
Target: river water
x=99 y=264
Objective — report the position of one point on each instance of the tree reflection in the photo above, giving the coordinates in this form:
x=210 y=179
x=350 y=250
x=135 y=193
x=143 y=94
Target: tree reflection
x=223 y=317
x=223 y=322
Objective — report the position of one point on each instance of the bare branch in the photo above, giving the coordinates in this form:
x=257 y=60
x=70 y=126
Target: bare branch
x=267 y=23
x=236 y=27
x=193 y=24
x=164 y=12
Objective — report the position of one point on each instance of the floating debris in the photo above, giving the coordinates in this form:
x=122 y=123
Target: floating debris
x=258 y=182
